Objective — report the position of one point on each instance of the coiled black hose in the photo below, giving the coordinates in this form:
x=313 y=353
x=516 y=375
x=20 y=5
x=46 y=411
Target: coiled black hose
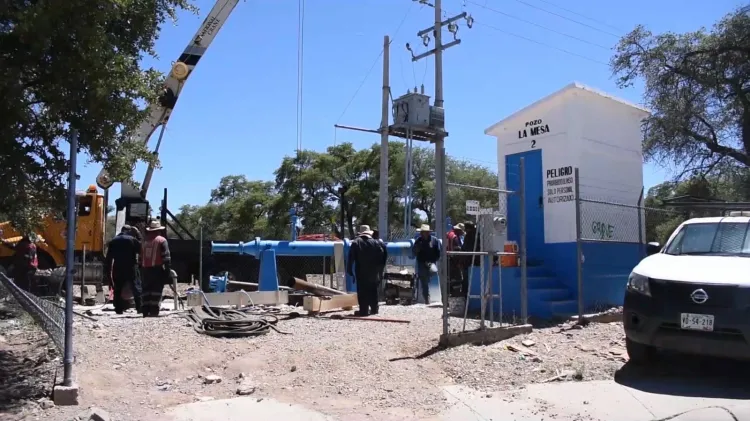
x=220 y=322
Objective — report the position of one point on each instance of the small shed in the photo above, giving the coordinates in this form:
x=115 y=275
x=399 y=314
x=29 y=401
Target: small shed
x=575 y=127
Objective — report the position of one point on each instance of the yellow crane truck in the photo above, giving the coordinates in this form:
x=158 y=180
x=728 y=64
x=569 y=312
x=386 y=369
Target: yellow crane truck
x=51 y=244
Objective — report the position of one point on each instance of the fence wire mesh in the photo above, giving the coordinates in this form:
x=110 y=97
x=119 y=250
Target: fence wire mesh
x=48 y=314
x=604 y=221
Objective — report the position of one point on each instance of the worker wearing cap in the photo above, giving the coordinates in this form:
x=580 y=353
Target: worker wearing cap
x=366 y=261
x=426 y=250
x=156 y=267
x=121 y=268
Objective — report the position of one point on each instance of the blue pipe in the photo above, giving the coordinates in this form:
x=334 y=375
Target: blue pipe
x=301 y=248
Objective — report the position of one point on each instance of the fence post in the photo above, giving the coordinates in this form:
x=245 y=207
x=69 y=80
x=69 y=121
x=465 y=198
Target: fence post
x=579 y=245
x=522 y=248
x=200 y=253
x=641 y=247
x=69 y=255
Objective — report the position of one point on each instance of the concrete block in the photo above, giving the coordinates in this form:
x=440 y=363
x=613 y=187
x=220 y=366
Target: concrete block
x=65 y=395
x=484 y=337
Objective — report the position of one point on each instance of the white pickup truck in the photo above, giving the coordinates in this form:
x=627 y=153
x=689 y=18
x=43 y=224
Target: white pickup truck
x=693 y=295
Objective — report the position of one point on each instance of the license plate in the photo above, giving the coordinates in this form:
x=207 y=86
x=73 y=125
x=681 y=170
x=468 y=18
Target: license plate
x=692 y=321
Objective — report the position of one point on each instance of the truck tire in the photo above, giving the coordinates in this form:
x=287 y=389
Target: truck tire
x=640 y=354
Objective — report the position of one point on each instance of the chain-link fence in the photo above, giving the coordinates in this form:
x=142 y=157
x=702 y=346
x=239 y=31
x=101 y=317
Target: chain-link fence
x=47 y=313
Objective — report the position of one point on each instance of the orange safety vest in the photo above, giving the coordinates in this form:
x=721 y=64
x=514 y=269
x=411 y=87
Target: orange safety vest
x=152 y=252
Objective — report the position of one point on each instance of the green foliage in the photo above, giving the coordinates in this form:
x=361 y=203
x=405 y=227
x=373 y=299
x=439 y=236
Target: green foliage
x=661 y=221
x=319 y=185
x=698 y=87
x=72 y=65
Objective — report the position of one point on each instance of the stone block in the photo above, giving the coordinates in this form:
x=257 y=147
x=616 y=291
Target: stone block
x=65 y=395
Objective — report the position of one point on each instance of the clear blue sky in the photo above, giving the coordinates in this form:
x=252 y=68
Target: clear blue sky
x=237 y=113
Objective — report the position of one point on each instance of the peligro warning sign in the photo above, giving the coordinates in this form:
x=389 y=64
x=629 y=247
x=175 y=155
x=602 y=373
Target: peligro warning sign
x=560 y=185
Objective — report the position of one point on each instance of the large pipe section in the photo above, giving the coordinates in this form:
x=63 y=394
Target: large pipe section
x=303 y=285
x=300 y=248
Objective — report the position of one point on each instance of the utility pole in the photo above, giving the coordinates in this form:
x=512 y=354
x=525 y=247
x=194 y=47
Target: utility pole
x=439 y=137
x=384 y=122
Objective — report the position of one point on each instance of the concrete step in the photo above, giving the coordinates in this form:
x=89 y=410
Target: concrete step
x=549 y=294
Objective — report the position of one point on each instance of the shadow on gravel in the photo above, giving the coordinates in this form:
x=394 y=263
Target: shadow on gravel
x=689 y=376
x=432 y=351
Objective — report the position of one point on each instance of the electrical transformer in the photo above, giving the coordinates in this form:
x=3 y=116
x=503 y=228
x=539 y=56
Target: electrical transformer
x=412 y=111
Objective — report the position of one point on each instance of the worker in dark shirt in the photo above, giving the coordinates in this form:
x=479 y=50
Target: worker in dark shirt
x=25 y=262
x=472 y=243
x=121 y=267
x=367 y=258
x=426 y=250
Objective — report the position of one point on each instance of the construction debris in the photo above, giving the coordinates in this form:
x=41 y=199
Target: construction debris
x=237 y=298
x=609 y=316
x=314 y=305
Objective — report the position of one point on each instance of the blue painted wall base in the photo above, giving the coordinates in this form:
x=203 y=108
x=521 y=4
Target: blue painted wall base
x=268 y=280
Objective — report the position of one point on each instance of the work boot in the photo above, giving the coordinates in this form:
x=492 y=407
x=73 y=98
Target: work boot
x=359 y=313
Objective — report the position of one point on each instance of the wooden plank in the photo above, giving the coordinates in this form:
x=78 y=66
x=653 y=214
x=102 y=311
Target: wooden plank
x=318 y=304
x=239 y=298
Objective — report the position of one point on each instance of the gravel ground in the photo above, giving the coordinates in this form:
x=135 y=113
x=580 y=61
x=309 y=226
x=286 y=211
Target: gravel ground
x=135 y=368
x=28 y=362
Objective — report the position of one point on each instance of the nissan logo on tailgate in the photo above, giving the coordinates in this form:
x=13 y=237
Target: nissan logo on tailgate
x=699 y=296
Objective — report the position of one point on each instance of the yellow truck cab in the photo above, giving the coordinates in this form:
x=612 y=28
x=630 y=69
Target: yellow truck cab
x=51 y=242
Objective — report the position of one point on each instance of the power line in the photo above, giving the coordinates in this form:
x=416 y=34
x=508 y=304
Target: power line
x=377 y=59
x=300 y=68
x=533 y=6
x=528 y=22
x=582 y=16
x=562 y=50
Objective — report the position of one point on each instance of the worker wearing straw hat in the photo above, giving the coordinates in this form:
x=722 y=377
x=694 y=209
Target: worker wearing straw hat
x=156 y=261
x=367 y=258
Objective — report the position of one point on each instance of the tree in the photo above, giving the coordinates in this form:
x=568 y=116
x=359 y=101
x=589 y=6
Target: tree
x=71 y=65
x=698 y=87
x=661 y=222
x=237 y=210
x=321 y=186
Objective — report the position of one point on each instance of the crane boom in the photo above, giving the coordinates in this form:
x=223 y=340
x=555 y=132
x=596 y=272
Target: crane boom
x=159 y=112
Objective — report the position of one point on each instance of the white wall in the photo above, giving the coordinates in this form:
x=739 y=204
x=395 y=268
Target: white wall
x=611 y=167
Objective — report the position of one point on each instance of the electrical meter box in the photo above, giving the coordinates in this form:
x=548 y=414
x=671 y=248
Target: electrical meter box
x=493 y=230
x=411 y=110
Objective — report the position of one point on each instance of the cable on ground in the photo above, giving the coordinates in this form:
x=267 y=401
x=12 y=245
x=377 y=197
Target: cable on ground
x=221 y=322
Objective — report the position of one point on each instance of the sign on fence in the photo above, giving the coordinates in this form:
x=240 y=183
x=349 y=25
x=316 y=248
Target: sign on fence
x=472 y=207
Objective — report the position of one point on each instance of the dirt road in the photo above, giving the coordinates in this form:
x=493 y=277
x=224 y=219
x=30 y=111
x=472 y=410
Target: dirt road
x=135 y=368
